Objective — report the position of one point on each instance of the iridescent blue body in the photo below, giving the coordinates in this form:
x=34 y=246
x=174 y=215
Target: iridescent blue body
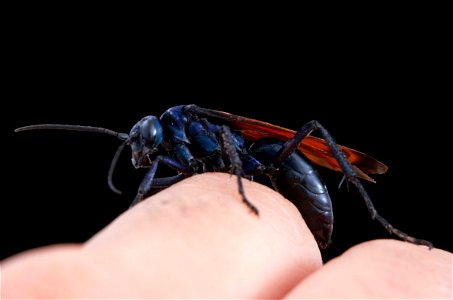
x=195 y=145
x=300 y=183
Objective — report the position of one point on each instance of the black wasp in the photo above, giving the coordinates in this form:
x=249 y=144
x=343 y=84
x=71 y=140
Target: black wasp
x=198 y=140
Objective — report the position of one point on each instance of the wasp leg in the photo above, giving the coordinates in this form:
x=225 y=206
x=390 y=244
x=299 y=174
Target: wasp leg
x=291 y=145
x=147 y=183
x=162 y=183
x=236 y=163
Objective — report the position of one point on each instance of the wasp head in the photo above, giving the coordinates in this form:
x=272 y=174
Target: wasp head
x=144 y=139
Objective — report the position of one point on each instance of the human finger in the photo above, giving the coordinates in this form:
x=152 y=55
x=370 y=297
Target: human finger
x=382 y=269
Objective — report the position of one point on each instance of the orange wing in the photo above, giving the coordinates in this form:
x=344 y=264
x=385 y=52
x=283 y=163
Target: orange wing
x=315 y=149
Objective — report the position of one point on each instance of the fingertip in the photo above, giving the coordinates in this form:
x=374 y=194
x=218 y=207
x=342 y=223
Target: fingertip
x=382 y=269
x=254 y=256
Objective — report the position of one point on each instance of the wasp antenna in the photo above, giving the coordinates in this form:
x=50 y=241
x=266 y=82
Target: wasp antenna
x=112 y=168
x=121 y=136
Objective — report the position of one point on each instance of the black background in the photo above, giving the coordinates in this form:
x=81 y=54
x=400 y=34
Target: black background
x=375 y=90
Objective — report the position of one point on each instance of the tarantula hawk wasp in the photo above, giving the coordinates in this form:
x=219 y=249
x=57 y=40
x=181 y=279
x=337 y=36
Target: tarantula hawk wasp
x=200 y=140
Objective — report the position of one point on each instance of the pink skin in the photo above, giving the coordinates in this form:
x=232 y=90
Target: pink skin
x=198 y=240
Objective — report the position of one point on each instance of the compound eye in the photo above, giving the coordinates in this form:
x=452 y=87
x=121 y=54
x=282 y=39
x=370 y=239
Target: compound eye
x=151 y=131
